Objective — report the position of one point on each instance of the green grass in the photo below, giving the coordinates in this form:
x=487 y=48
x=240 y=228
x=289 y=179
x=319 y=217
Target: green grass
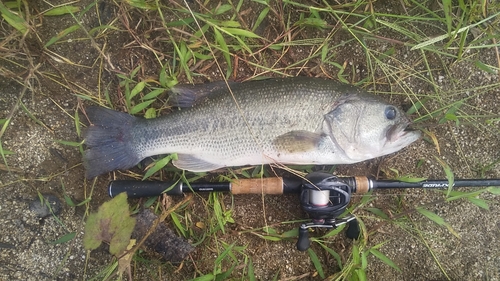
x=226 y=41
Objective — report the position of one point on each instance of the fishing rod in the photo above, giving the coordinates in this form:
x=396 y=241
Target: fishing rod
x=324 y=197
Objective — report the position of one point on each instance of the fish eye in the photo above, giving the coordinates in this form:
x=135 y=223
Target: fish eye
x=390 y=112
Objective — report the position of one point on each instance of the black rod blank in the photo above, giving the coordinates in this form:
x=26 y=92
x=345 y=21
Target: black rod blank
x=435 y=183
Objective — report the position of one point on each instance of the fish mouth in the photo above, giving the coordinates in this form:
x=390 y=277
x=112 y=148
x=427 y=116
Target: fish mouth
x=402 y=131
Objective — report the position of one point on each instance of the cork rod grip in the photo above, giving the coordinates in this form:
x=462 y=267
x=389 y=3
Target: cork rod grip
x=362 y=184
x=258 y=186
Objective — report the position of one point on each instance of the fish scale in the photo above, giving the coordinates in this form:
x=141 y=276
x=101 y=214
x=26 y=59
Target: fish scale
x=228 y=123
x=296 y=120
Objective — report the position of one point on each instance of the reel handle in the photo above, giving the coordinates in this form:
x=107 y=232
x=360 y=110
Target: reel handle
x=303 y=242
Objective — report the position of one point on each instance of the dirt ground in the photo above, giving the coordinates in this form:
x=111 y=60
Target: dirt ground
x=467 y=250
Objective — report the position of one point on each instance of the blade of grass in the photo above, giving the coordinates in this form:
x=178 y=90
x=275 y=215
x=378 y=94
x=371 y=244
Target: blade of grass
x=14 y=20
x=61 y=34
x=316 y=262
x=384 y=259
x=63 y=10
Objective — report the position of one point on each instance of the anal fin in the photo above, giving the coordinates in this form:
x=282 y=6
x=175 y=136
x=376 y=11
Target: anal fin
x=194 y=164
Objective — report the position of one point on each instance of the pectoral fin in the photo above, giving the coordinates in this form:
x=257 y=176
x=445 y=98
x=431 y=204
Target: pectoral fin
x=194 y=164
x=297 y=141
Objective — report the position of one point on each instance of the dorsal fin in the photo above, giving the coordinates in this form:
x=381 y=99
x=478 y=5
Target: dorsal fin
x=189 y=95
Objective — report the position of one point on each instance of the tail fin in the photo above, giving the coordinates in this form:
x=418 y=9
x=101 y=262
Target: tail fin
x=108 y=141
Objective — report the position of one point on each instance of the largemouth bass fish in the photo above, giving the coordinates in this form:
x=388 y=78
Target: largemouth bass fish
x=289 y=121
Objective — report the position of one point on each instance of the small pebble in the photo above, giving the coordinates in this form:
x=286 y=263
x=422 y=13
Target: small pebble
x=42 y=210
